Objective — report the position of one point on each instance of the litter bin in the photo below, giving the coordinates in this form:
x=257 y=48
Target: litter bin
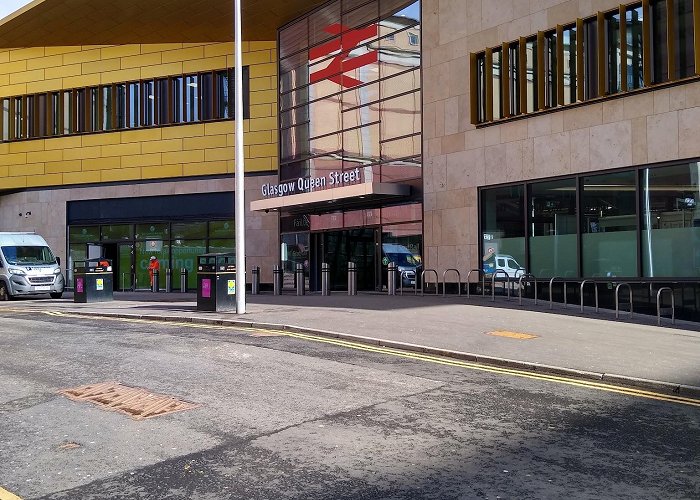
x=93 y=281
x=216 y=282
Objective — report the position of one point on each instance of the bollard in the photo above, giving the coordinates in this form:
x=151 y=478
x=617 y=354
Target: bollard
x=352 y=278
x=277 y=280
x=391 y=279
x=183 y=280
x=255 y=287
x=168 y=280
x=301 y=288
x=325 y=279
x=156 y=281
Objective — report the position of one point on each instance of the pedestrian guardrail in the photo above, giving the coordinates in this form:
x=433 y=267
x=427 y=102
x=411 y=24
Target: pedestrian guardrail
x=422 y=281
x=551 y=285
x=526 y=277
x=483 y=281
x=459 y=281
x=658 y=305
x=595 y=285
x=493 y=283
x=617 y=298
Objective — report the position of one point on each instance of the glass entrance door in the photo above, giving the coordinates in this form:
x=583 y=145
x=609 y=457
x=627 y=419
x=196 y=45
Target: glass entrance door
x=337 y=248
x=124 y=270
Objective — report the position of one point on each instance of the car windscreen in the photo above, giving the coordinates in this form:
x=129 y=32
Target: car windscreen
x=28 y=255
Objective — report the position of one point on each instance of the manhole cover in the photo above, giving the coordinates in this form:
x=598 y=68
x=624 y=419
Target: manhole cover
x=138 y=403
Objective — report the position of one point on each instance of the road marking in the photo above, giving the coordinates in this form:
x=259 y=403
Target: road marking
x=512 y=335
x=6 y=495
x=589 y=384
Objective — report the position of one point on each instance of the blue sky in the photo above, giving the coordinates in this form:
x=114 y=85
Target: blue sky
x=7 y=7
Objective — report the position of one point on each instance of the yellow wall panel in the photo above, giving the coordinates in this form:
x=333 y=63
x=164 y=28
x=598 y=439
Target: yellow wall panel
x=101 y=139
x=259 y=70
x=161 y=146
x=13 y=159
x=147 y=48
x=146 y=134
x=81 y=177
x=263 y=97
x=161 y=70
x=36 y=181
x=28 y=53
x=204 y=142
x=204 y=168
x=62 y=142
x=192 y=156
x=27 y=169
x=121 y=174
x=218 y=154
x=144 y=160
x=72 y=82
x=161 y=171
x=220 y=49
x=26 y=146
x=45 y=62
x=125 y=149
x=262 y=137
x=44 y=156
x=261 y=45
x=263 y=150
x=13 y=182
x=261 y=111
x=101 y=163
x=262 y=83
x=4 y=80
x=120 y=51
x=3 y=171
x=82 y=56
x=27 y=76
x=141 y=60
x=50 y=51
x=82 y=153
x=55 y=167
x=183 y=54
x=101 y=65
x=13 y=67
x=209 y=64
x=44 y=86
x=218 y=128
x=12 y=90
x=181 y=131
x=258 y=164
x=263 y=123
x=4 y=56
x=262 y=56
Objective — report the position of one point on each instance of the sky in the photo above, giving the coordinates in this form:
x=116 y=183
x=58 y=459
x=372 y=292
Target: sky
x=7 y=7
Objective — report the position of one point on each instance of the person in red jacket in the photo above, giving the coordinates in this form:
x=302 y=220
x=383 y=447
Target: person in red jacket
x=153 y=265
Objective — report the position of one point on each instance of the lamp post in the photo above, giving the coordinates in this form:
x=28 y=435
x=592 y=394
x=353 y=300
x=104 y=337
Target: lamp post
x=239 y=195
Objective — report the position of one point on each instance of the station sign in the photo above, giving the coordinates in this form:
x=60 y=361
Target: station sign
x=308 y=184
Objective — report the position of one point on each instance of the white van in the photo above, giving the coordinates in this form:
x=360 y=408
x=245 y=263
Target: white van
x=503 y=262
x=28 y=267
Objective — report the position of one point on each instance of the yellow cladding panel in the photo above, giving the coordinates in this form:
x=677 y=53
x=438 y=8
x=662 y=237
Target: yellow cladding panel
x=25 y=146
x=4 y=56
x=13 y=159
x=161 y=70
x=258 y=164
x=27 y=76
x=263 y=150
x=262 y=137
x=101 y=139
x=262 y=83
x=261 y=111
x=63 y=142
x=120 y=51
x=205 y=142
x=101 y=66
x=258 y=45
x=204 y=168
x=161 y=171
x=12 y=90
x=44 y=156
x=81 y=81
x=45 y=180
x=44 y=86
x=82 y=57
x=147 y=48
x=81 y=177
x=126 y=149
x=122 y=75
x=183 y=55
x=143 y=160
x=29 y=53
x=45 y=62
x=161 y=146
x=56 y=167
x=101 y=163
x=209 y=64
x=146 y=134
x=260 y=57
x=13 y=67
x=218 y=128
x=263 y=124
x=27 y=169
x=82 y=153
x=263 y=97
x=183 y=131
x=121 y=174
x=4 y=171
x=259 y=70
x=13 y=182
x=218 y=154
x=141 y=60
x=184 y=157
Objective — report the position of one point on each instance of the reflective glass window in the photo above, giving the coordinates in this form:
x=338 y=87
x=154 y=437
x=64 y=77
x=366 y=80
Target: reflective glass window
x=188 y=230
x=497 y=93
x=68 y=127
x=55 y=121
x=6 y=119
x=162 y=102
x=191 y=98
x=94 y=106
x=635 y=48
x=514 y=79
x=614 y=56
x=684 y=38
x=590 y=58
x=609 y=225
x=107 y=108
x=207 y=95
x=83 y=234
x=117 y=232
x=224 y=88
x=531 y=75
x=550 y=70
x=81 y=107
x=659 y=41
x=184 y=255
x=401 y=116
x=121 y=106
x=152 y=231
x=134 y=105
x=569 y=62
x=222 y=229
x=178 y=96
x=503 y=228
x=19 y=118
x=404 y=147
x=149 y=103
x=30 y=117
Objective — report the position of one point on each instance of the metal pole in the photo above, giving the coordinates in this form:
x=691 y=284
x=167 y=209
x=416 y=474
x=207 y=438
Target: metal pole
x=325 y=279
x=277 y=280
x=301 y=285
x=255 y=285
x=155 y=286
x=168 y=280
x=352 y=278
x=240 y=166
x=183 y=280
x=391 y=279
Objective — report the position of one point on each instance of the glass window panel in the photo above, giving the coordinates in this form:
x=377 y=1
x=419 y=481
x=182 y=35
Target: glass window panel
x=553 y=228
x=188 y=230
x=609 y=225
x=401 y=116
x=29 y=117
x=134 y=105
x=362 y=144
x=6 y=120
x=143 y=252
x=185 y=253
x=550 y=70
x=152 y=231
x=362 y=116
x=67 y=112
x=353 y=19
x=41 y=114
x=294 y=250
x=94 y=97
x=207 y=94
x=659 y=41
x=107 y=108
x=55 y=113
x=81 y=103
x=503 y=229
x=19 y=118
x=224 y=88
x=684 y=38
x=497 y=94
x=671 y=221
x=360 y=96
x=395 y=53
x=614 y=57
x=222 y=245
x=294 y=116
x=481 y=88
x=324 y=23
x=178 y=95
x=398 y=8
x=76 y=253
x=294 y=38
x=404 y=147
x=191 y=98
x=294 y=71
x=222 y=229
x=83 y=234
x=118 y=232
x=294 y=142
x=531 y=74
x=149 y=103
x=331 y=143
x=399 y=84
x=121 y=106
x=569 y=62
x=590 y=58
x=325 y=116
x=514 y=79
x=162 y=94
x=635 y=48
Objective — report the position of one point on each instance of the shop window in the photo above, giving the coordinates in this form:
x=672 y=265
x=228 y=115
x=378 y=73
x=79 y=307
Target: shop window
x=189 y=230
x=569 y=63
x=609 y=225
x=684 y=39
x=117 y=232
x=184 y=255
x=553 y=228
x=503 y=228
x=635 y=48
x=222 y=229
x=83 y=234
x=670 y=221
x=41 y=114
x=152 y=231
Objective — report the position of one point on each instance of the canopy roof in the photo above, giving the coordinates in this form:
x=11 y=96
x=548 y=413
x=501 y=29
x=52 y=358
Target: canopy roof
x=44 y=23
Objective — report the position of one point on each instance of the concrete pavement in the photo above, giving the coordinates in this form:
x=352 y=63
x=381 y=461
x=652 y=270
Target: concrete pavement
x=594 y=346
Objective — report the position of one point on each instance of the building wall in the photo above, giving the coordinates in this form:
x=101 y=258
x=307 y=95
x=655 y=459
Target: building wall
x=39 y=176
x=648 y=127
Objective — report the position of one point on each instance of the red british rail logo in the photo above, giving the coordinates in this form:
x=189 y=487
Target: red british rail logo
x=342 y=63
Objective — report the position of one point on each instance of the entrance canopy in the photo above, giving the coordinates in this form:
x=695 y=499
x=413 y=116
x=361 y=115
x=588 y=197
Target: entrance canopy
x=98 y=22
x=328 y=200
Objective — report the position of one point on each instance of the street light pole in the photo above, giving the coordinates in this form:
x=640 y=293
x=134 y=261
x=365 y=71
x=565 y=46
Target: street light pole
x=239 y=195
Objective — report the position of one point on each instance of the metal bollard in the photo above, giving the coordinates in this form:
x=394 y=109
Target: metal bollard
x=255 y=286
x=277 y=280
x=325 y=279
x=301 y=285
x=391 y=279
x=168 y=280
x=352 y=278
x=156 y=281
x=183 y=280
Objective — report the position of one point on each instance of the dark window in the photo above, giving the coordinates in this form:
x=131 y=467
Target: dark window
x=121 y=106
x=107 y=105
x=569 y=62
x=550 y=70
x=162 y=102
x=134 y=105
x=19 y=118
x=531 y=75
x=684 y=39
x=149 y=103
x=207 y=94
x=68 y=109
x=514 y=79
x=635 y=48
x=41 y=114
x=481 y=87
x=6 y=120
x=590 y=58
x=81 y=96
x=224 y=97
x=94 y=97
x=30 y=117
x=659 y=41
x=55 y=121
x=497 y=93
x=178 y=95
x=192 y=89
x=613 y=67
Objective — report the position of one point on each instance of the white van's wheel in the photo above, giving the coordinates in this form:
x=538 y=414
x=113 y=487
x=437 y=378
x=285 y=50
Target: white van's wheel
x=4 y=294
x=56 y=295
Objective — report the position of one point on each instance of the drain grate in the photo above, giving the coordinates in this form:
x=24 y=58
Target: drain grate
x=138 y=403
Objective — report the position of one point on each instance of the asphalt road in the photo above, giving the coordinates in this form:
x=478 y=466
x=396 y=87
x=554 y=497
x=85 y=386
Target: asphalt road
x=285 y=417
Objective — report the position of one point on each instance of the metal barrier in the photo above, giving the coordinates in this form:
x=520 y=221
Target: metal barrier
x=658 y=305
x=277 y=280
x=595 y=285
x=483 y=281
x=525 y=277
x=391 y=279
x=183 y=280
x=155 y=286
x=352 y=278
x=551 y=283
x=459 y=281
x=493 y=283
x=255 y=284
x=617 y=299
x=404 y=274
x=422 y=281
x=299 y=275
x=325 y=279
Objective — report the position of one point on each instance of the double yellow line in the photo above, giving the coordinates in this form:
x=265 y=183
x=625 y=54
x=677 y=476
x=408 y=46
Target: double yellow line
x=588 y=384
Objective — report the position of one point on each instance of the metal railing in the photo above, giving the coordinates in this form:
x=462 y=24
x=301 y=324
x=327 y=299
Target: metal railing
x=422 y=281
x=526 y=277
x=404 y=274
x=551 y=284
x=483 y=281
x=493 y=283
x=595 y=284
x=459 y=281
x=617 y=299
x=658 y=305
